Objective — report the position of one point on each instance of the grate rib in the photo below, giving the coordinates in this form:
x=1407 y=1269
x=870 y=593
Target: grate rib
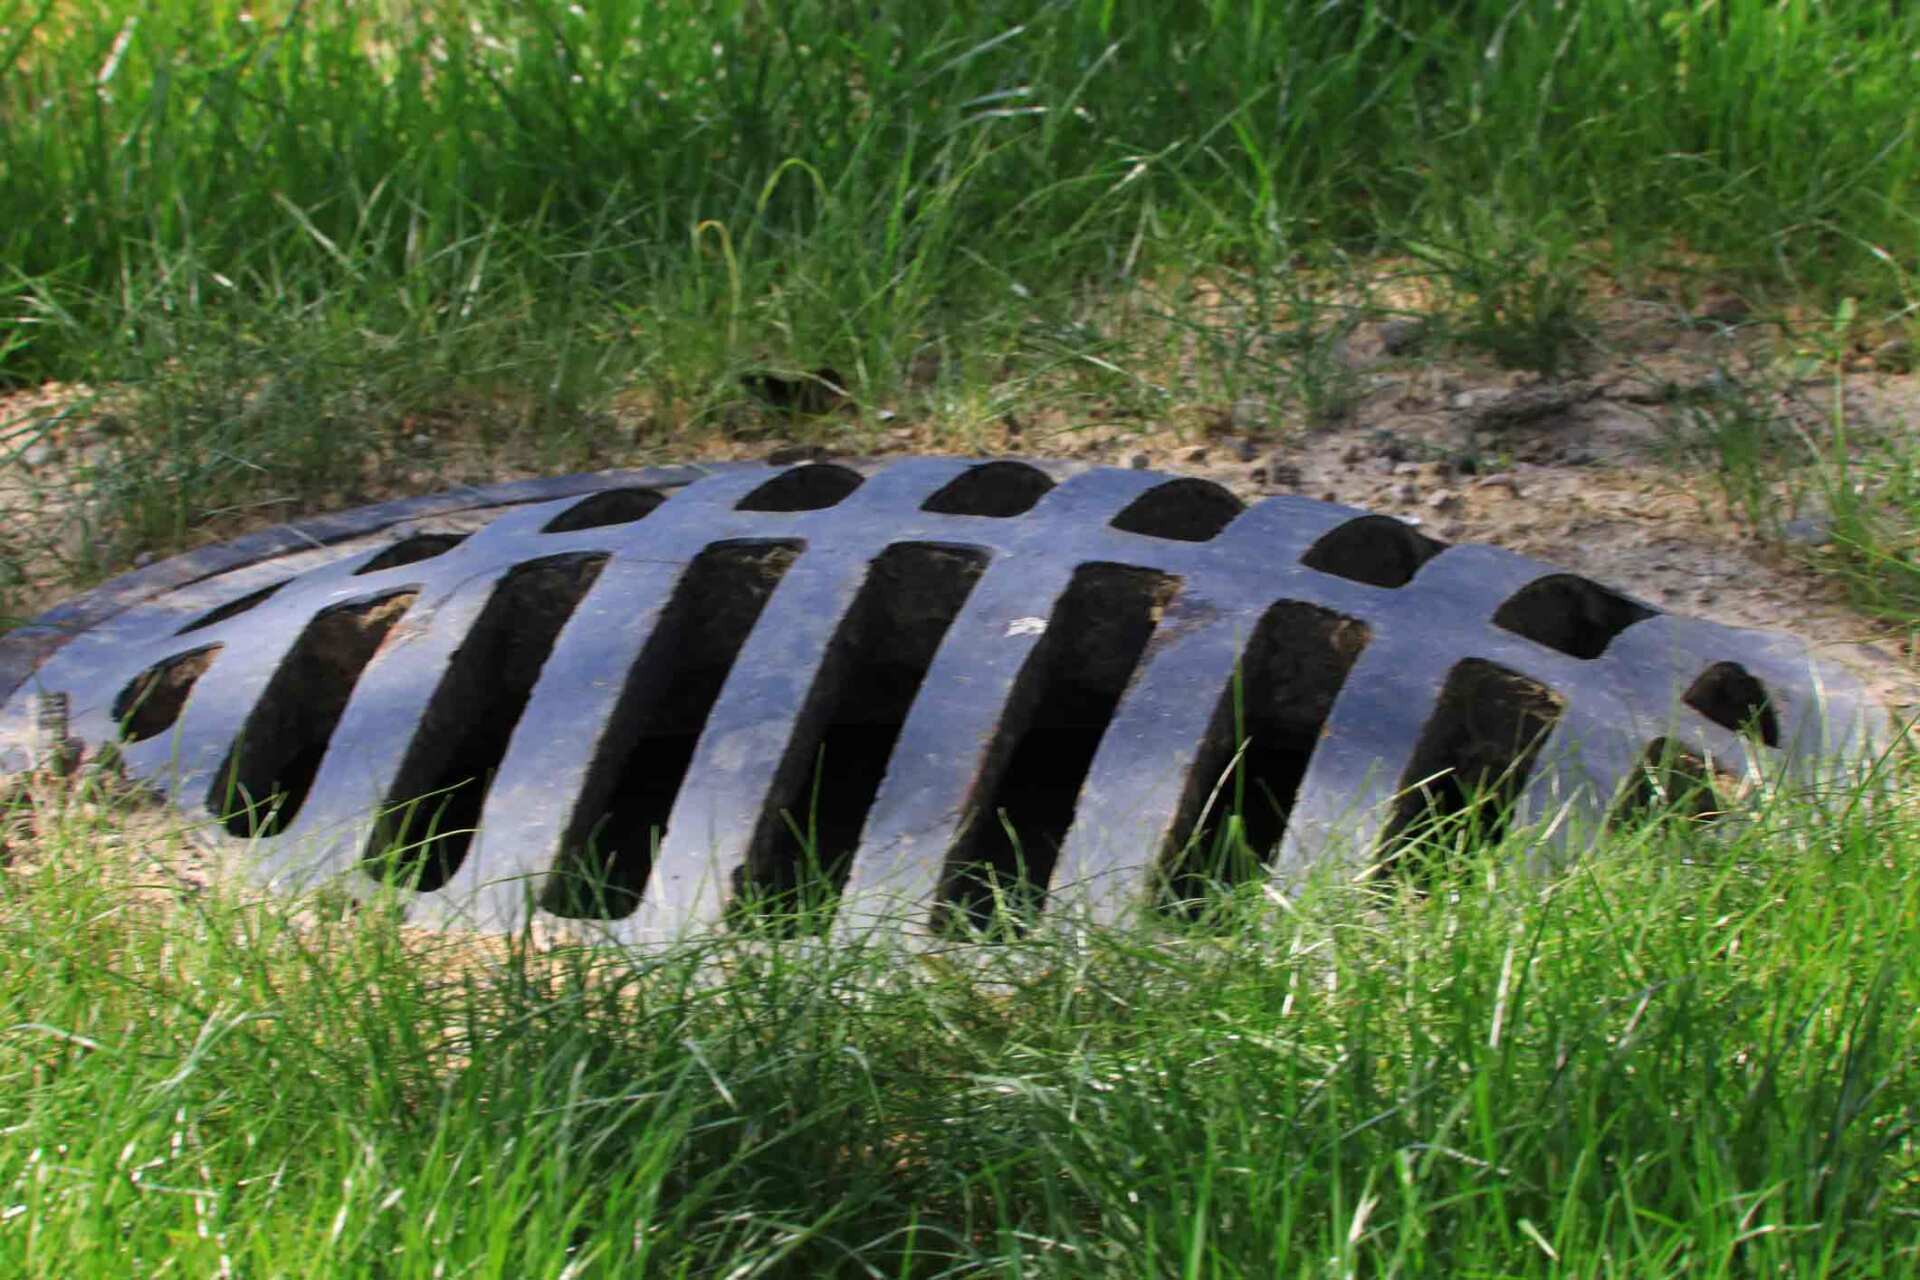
x=1366 y=748
x=1047 y=739
x=553 y=784
x=433 y=809
x=352 y=789
x=943 y=754
x=876 y=663
x=746 y=758
x=268 y=772
x=1151 y=774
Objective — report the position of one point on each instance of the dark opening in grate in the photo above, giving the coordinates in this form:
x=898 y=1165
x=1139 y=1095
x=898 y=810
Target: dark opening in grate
x=434 y=808
x=1729 y=695
x=1473 y=757
x=623 y=809
x=421 y=546
x=814 y=487
x=1183 y=510
x=1672 y=780
x=233 y=608
x=1377 y=550
x=271 y=766
x=874 y=669
x=991 y=489
x=153 y=700
x=1567 y=612
x=1061 y=706
x=608 y=507
x=1245 y=782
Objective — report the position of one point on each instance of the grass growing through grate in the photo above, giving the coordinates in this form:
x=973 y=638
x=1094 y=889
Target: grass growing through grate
x=1693 y=1054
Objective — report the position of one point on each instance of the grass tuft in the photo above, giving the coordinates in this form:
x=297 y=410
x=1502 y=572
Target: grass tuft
x=1692 y=1053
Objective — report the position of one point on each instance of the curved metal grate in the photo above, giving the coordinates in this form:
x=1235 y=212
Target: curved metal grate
x=934 y=686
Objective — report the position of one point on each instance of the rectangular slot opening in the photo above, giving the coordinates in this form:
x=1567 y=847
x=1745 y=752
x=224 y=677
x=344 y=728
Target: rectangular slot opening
x=1066 y=696
x=1244 y=783
x=874 y=669
x=434 y=808
x=1671 y=781
x=152 y=702
x=270 y=768
x=1471 y=763
x=622 y=815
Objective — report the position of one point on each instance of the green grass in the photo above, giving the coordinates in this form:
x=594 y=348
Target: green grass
x=289 y=234
x=1692 y=1054
x=855 y=179
x=1785 y=451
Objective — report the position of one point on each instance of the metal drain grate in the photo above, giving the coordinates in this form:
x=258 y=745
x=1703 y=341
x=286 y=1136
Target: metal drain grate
x=649 y=697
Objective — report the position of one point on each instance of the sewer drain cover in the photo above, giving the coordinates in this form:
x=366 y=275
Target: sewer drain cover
x=645 y=697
